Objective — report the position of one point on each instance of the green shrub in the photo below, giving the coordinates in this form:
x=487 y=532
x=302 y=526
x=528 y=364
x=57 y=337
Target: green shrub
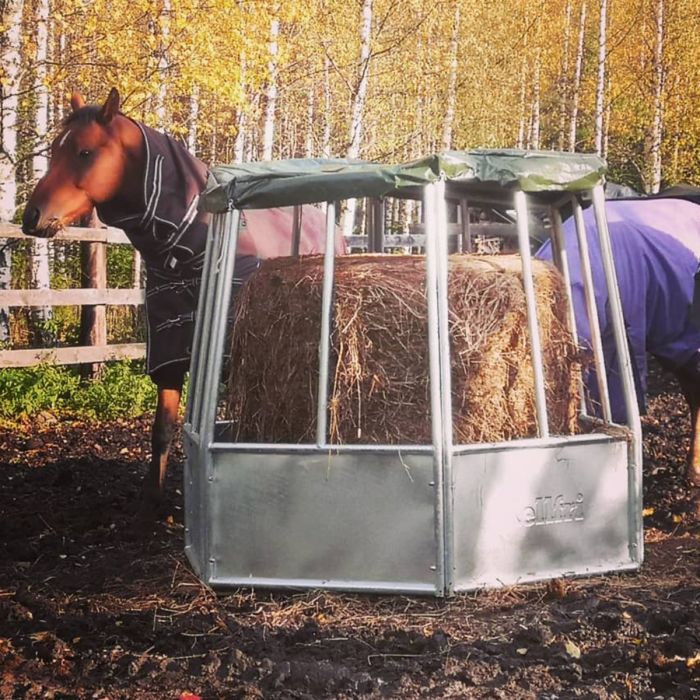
x=123 y=391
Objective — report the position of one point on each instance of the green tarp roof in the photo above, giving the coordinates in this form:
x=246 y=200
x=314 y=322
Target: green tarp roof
x=302 y=181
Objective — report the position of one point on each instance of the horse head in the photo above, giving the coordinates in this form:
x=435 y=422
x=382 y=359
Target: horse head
x=89 y=160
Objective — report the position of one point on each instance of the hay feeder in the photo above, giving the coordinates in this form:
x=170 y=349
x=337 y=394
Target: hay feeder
x=433 y=515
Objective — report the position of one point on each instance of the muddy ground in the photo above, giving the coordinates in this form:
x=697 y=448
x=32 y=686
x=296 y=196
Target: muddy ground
x=92 y=605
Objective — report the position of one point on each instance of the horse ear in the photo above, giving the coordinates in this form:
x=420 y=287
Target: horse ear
x=76 y=101
x=110 y=108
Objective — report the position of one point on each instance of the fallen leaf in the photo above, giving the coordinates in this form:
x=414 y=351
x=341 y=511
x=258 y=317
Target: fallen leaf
x=648 y=511
x=40 y=636
x=522 y=651
x=693 y=661
x=572 y=650
x=677 y=519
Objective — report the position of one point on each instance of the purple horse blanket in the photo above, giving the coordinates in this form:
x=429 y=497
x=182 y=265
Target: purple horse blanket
x=656 y=247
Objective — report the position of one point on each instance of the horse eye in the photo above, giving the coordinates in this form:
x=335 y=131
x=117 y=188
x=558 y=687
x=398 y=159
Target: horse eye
x=85 y=153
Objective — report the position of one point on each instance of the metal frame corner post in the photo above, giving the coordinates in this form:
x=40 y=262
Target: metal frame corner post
x=440 y=380
x=220 y=300
x=326 y=322
x=202 y=325
x=625 y=368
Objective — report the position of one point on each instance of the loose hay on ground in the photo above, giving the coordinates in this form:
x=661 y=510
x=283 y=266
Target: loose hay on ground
x=379 y=377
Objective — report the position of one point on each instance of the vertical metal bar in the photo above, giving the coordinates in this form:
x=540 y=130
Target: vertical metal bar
x=436 y=418
x=202 y=322
x=326 y=318
x=592 y=311
x=296 y=229
x=442 y=246
x=466 y=242
x=634 y=472
x=220 y=306
x=379 y=224
x=533 y=325
x=616 y=315
x=559 y=244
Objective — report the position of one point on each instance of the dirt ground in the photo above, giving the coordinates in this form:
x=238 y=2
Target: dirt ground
x=94 y=605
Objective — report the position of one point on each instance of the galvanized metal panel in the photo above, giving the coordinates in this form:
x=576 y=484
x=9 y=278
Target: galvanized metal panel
x=533 y=513
x=310 y=519
x=195 y=518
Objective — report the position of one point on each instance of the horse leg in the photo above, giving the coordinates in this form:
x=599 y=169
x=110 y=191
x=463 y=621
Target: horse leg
x=689 y=379
x=169 y=393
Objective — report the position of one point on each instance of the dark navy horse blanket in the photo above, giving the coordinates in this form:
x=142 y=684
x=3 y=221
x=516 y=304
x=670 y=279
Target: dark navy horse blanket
x=656 y=247
x=170 y=232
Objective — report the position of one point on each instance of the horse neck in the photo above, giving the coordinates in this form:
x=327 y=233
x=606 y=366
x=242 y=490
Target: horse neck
x=129 y=198
x=181 y=176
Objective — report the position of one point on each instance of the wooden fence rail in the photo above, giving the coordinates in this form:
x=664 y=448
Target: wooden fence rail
x=94 y=299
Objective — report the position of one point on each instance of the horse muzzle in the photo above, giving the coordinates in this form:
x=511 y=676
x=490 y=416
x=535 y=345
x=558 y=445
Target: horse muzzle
x=31 y=221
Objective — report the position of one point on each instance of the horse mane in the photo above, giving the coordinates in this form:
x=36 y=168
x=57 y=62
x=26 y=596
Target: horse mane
x=84 y=115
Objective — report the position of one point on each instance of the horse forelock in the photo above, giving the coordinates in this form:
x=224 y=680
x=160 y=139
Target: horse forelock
x=84 y=115
x=80 y=117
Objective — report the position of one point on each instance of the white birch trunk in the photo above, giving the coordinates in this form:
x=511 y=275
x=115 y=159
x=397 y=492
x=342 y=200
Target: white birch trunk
x=576 y=86
x=520 y=143
x=564 y=80
x=358 y=105
x=240 y=141
x=535 y=124
x=39 y=259
x=163 y=66
x=271 y=92
x=12 y=18
x=193 y=117
x=10 y=87
x=657 y=121
x=327 y=106
x=600 y=85
x=310 y=112
x=448 y=124
x=606 y=126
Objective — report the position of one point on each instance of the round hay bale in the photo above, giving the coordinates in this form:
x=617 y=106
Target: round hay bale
x=379 y=388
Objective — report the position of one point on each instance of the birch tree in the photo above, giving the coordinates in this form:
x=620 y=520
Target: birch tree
x=358 y=104
x=271 y=91
x=576 y=84
x=535 y=121
x=564 y=87
x=657 y=120
x=40 y=268
x=600 y=85
x=451 y=84
x=9 y=90
x=163 y=64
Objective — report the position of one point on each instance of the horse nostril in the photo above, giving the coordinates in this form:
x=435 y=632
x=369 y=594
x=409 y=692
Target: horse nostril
x=30 y=220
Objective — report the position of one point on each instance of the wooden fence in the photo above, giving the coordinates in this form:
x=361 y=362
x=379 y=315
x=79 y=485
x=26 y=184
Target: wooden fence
x=94 y=299
x=94 y=348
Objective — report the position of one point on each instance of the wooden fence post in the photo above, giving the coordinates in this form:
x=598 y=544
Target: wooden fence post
x=93 y=318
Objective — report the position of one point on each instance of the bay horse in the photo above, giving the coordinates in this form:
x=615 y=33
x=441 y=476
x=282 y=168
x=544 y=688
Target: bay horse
x=147 y=184
x=656 y=248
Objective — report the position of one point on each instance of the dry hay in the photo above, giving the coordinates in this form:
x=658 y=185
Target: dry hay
x=379 y=389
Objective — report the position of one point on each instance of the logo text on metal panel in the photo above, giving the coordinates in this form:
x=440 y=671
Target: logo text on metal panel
x=550 y=510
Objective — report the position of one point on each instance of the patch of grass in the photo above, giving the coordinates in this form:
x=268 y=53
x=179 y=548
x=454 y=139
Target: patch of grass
x=124 y=391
